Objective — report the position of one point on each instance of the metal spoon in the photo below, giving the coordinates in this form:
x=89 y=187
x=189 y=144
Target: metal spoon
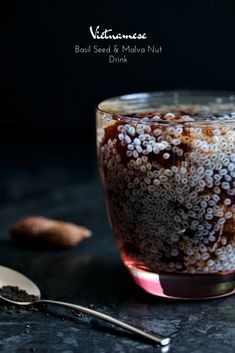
x=9 y=277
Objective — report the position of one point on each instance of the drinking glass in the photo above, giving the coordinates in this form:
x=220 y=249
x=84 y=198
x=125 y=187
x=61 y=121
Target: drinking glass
x=167 y=163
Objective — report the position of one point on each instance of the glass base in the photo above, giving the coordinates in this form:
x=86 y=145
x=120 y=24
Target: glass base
x=185 y=286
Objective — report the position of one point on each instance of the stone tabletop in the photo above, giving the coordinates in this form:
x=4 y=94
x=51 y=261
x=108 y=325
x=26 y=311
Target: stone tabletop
x=90 y=274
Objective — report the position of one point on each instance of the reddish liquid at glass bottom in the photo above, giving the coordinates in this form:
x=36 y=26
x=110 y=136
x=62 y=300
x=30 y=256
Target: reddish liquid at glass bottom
x=182 y=285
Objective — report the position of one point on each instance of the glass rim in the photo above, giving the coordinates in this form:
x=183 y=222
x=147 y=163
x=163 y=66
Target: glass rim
x=220 y=97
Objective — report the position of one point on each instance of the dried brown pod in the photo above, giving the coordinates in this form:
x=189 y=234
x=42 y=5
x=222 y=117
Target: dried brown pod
x=58 y=233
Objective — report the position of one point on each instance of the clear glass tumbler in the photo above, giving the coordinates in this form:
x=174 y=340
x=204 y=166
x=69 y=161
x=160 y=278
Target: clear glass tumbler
x=167 y=163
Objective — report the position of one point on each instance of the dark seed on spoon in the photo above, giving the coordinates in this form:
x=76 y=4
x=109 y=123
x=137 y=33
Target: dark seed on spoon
x=16 y=294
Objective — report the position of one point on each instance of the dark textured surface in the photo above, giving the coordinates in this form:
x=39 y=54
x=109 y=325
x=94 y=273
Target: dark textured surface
x=44 y=181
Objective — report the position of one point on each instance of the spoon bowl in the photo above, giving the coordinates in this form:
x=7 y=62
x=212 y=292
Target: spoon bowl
x=12 y=278
x=9 y=277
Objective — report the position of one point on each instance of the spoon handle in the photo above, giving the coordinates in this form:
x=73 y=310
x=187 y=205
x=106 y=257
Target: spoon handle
x=156 y=337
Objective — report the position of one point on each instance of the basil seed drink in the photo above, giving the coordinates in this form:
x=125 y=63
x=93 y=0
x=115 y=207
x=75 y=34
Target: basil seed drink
x=167 y=163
